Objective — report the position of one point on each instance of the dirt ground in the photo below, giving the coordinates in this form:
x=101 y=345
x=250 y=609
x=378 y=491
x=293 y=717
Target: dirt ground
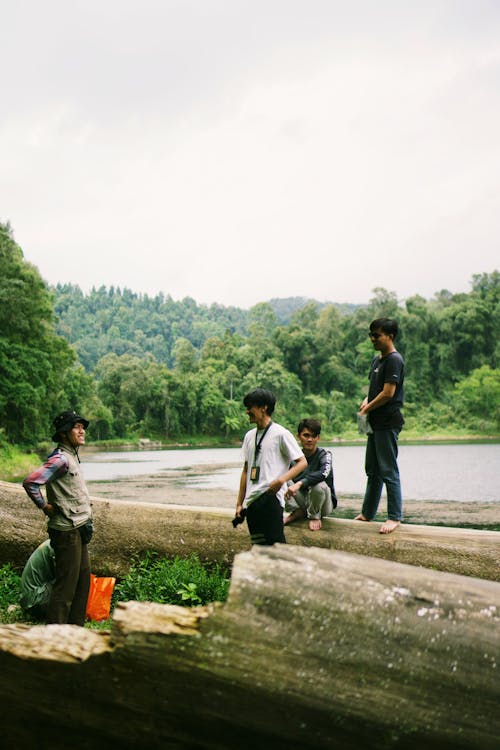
x=171 y=489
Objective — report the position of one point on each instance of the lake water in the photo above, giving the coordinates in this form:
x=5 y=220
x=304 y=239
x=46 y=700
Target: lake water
x=464 y=473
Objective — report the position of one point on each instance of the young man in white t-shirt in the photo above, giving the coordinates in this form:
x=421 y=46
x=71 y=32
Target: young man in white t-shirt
x=268 y=450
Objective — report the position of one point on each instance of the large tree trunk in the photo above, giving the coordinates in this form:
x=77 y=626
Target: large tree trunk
x=314 y=649
x=126 y=529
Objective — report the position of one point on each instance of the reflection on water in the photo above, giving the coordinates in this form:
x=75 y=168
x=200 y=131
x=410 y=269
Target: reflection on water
x=428 y=472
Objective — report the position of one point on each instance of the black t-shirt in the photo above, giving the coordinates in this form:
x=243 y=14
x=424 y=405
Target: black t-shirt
x=388 y=369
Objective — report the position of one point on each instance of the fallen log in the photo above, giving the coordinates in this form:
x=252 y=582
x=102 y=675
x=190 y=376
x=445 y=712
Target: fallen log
x=127 y=529
x=313 y=649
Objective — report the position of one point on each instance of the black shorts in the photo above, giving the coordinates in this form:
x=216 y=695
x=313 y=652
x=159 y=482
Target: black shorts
x=265 y=520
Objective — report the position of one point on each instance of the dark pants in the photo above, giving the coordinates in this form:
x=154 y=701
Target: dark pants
x=265 y=520
x=70 y=592
x=37 y=613
x=381 y=465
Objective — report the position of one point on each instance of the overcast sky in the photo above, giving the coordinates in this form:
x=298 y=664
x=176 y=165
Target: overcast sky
x=234 y=151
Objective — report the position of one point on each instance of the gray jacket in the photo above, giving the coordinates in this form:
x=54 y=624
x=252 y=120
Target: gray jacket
x=69 y=495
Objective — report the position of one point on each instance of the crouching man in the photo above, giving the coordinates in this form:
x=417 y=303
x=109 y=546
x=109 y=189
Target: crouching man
x=312 y=494
x=37 y=579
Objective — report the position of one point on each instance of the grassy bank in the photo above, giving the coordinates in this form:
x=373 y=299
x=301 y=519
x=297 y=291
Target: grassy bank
x=351 y=437
x=411 y=436
x=15 y=463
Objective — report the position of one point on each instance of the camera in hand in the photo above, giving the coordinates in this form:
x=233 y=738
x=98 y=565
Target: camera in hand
x=239 y=518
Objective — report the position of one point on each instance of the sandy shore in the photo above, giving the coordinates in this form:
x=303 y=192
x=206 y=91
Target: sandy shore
x=169 y=489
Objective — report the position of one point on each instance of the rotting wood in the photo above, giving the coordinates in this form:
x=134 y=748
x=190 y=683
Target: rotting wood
x=314 y=649
x=127 y=529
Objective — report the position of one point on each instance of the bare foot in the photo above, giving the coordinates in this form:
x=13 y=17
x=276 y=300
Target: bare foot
x=294 y=516
x=361 y=517
x=315 y=524
x=389 y=526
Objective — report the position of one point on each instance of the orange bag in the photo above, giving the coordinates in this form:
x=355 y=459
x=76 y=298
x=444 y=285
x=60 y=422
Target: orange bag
x=99 y=601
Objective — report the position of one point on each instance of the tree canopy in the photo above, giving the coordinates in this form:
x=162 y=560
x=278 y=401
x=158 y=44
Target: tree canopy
x=33 y=358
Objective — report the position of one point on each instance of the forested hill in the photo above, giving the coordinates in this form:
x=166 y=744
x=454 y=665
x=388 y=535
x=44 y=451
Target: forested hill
x=155 y=367
x=124 y=322
x=285 y=307
x=314 y=355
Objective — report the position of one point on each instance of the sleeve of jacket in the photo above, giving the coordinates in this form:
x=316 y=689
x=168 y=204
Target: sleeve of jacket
x=318 y=470
x=55 y=465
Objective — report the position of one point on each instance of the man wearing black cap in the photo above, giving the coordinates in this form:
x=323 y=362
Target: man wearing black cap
x=70 y=518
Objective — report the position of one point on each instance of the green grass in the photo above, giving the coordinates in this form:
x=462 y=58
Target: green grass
x=177 y=581
x=182 y=581
x=15 y=464
x=10 y=609
x=476 y=526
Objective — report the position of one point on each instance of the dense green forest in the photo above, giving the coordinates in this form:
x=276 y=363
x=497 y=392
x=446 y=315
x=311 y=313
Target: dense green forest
x=165 y=369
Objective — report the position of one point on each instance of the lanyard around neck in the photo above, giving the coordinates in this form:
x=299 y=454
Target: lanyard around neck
x=259 y=443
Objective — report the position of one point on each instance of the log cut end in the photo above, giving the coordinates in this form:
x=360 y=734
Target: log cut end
x=148 y=617
x=60 y=643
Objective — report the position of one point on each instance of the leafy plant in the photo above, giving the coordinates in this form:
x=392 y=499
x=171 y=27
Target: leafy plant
x=188 y=593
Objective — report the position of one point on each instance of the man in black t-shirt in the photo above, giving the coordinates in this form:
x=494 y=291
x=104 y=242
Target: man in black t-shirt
x=382 y=407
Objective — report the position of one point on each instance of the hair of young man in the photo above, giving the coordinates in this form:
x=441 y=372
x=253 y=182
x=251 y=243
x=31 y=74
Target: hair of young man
x=311 y=424
x=260 y=397
x=386 y=325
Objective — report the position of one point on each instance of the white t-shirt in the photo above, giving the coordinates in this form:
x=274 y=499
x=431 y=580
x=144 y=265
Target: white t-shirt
x=277 y=451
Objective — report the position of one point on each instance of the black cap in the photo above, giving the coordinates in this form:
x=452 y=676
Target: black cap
x=66 y=421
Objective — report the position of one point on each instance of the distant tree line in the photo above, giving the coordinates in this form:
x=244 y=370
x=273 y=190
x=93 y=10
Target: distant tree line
x=152 y=366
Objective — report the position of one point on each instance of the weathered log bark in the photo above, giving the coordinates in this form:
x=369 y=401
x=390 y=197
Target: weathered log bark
x=126 y=529
x=314 y=649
